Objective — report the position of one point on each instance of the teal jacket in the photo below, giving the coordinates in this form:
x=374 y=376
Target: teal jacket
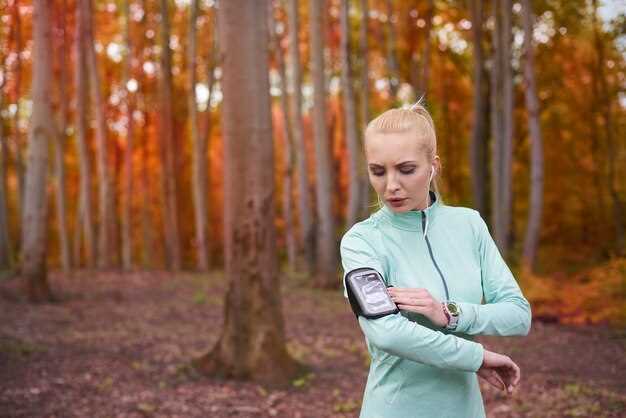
x=418 y=369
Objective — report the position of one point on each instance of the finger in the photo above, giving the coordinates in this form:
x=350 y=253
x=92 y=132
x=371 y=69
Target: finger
x=493 y=379
x=410 y=308
x=518 y=375
x=409 y=300
x=406 y=291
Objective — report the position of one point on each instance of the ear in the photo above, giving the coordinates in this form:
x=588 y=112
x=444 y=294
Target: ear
x=437 y=164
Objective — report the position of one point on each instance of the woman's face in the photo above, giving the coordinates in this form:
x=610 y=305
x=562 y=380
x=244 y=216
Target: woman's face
x=399 y=170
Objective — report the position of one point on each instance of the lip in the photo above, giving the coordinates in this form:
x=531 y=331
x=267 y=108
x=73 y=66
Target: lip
x=396 y=202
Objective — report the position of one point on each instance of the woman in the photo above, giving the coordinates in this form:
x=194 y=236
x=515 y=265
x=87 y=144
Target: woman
x=441 y=262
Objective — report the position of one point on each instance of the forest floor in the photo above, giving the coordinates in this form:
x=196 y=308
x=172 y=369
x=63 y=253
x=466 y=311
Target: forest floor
x=119 y=345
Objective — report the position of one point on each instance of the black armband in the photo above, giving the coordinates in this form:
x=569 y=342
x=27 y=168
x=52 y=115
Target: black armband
x=367 y=293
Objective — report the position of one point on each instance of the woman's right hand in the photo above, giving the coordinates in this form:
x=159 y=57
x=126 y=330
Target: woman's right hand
x=500 y=371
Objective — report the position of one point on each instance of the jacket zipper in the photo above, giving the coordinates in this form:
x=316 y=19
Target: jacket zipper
x=430 y=251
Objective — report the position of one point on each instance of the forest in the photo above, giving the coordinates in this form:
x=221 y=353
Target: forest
x=176 y=177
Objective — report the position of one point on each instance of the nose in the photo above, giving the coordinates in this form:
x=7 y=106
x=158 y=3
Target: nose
x=392 y=184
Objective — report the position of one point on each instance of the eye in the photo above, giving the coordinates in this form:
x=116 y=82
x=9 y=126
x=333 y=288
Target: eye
x=377 y=172
x=407 y=170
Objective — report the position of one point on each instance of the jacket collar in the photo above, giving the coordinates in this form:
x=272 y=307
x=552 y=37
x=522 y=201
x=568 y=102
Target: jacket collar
x=412 y=219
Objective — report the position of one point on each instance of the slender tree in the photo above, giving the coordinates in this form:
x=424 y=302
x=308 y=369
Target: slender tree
x=199 y=155
x=533 y=225
x=502 y=125
x=61 y=139
x=144 y=101
x=392 y=60
x=305 y=211
x=605 y=103
x=166 y=133
x=85 y=214
x=252 y=342
x=287 y=140
x=42 y=131
x=425 y=76
x=212 y=63
x=365 y=91
x=326 y=257
x=6 y=246
x=355 y=163
x=5 y=239
x=127 y=190
x=478 y=151
x=105 y=190
x=17 y=134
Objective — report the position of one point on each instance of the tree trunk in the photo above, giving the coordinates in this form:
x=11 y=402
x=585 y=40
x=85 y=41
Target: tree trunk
x=105 y=194
x=82 y=84
x=478 y=160
x=199 y=156
x=536 y=154
x=290 y=242
x=365 y=91
x=326 y=269
x=305 y=211
x=126 y=215
x=392 y=61
x=61 y=140
x=166 y=133
x=355 y=154
x=502 y=125
x=425 y=78
x=212 y=63
x=17 y=136
x=252 y=343
x=612 y=154
x=42 y=130
x=6 y=248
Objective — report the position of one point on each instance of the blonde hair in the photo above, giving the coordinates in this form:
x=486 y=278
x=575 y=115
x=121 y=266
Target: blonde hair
x=414 y=119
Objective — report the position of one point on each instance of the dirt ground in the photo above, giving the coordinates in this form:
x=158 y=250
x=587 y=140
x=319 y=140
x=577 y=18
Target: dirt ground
x=119 y=345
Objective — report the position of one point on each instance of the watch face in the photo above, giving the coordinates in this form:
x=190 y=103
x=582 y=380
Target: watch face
x=453 y=309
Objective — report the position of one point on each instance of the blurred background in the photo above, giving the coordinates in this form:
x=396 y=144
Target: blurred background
x=110 y=155
x=528 y=100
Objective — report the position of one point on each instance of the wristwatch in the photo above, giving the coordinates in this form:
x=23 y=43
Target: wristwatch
x=452 y=311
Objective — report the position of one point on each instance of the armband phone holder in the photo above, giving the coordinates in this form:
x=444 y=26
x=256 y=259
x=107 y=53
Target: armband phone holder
x=368 y=294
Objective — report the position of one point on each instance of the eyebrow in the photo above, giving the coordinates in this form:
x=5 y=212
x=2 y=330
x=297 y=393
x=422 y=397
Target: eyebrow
x=397 y=165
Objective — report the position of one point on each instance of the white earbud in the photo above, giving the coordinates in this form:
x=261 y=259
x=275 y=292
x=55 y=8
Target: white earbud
x=432 y=173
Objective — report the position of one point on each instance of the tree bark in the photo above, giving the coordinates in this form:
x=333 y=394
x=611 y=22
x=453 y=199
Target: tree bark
x=212 y=63
x=392 y=60
x=6 y=250
x=355 y=154
x=166 y=121
x=199 y=155
x=290 y=242
x=425 y=78
x=17 y=136
x=478 y=160
x=126 y=218
x=612 y=154
x=61 y=141
x=42 y=130
x=105 y=191
x=305 y=211
x=327 y=263
x=82 y=84
x=365 y=91
x=536 y=154
x=502 y=125
x=252 y=343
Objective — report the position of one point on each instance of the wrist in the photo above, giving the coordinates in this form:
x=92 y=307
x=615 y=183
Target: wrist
x=452 y=310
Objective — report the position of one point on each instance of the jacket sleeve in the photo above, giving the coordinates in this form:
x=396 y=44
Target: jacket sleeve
x=506 y=312
x=400 y=337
